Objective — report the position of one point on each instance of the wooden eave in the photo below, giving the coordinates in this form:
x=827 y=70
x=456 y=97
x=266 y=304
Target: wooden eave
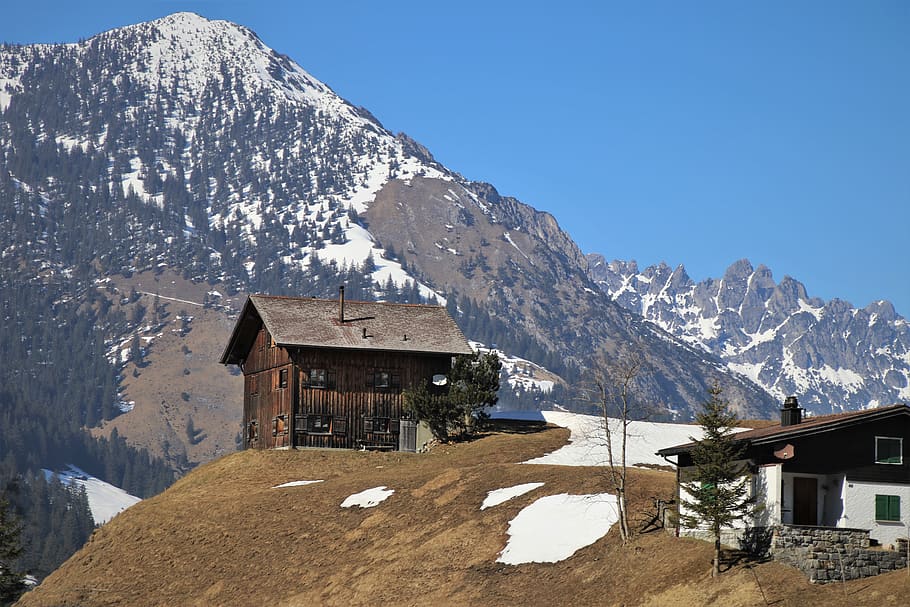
x=243 y=335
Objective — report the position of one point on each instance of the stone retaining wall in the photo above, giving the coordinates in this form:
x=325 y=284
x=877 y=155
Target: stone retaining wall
x=828 y=555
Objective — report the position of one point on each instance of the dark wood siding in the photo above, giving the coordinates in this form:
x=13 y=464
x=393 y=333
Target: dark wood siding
x=361 y=412
x=268 y=394
x=355 y=401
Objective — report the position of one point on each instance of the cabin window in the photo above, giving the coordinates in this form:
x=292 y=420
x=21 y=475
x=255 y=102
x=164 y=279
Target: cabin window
x=316 y=378
x=386 y=380
x=382 y=379
x=888 y=508
x=319 y=424
x=380 y=425
x=888 y=450
x=279 y=425
x=282 y=378
x=252 y=432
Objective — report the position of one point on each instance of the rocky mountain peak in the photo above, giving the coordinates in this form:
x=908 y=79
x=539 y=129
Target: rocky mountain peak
x=830 y=354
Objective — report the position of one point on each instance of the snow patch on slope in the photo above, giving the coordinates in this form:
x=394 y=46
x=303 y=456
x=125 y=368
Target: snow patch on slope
x=105 y=500
x=499 y=496
x=555 y=527
x=368 y=498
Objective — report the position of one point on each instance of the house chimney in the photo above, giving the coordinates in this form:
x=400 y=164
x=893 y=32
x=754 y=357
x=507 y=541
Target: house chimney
x=341 y=304
x=792 y=413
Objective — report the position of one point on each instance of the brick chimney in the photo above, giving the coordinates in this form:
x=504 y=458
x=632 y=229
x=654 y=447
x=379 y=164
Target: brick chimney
x=792 y=413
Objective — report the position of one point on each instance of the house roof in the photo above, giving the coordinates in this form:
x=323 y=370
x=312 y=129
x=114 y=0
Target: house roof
x=807 y=427
x=316 y=323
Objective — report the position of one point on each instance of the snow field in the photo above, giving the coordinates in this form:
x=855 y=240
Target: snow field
x=588 y=440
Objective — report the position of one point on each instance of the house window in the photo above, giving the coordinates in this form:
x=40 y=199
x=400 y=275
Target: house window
x=316 y=378
x=888 y=450
x=252 y=432
x=279 y=425
x=319 y=424
x=283 y=378
x=887 y=507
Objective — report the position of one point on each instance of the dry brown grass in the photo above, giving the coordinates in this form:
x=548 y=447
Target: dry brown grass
x=223 y=536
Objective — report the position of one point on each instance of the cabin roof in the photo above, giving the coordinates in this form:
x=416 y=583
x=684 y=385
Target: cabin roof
x=808 y=426
x=317 y=323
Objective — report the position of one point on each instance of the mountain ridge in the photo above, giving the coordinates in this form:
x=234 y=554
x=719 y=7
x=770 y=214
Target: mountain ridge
x=832 y=355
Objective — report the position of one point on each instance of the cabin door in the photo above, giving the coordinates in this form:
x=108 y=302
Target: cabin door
x=805 y=500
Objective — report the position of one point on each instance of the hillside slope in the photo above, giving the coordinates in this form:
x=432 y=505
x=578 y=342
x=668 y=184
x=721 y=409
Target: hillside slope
x=223 y=535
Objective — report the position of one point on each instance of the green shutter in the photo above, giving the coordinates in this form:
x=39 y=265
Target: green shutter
x=887 y=507
x=881 y=507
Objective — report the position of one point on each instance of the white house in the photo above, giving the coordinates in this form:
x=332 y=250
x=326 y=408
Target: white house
x=849 y=470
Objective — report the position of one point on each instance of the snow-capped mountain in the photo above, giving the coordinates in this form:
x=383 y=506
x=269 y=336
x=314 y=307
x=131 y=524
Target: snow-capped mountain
x=830 y=354
x=187 y=144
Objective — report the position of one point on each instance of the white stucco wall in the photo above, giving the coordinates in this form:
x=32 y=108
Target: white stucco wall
x=828 y=498
x=766 y=488
x=859 y=510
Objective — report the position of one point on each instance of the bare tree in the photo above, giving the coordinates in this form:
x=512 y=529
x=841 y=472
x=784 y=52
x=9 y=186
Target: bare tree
x=614 y=391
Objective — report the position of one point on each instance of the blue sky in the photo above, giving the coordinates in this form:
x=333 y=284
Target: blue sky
x=695 y=133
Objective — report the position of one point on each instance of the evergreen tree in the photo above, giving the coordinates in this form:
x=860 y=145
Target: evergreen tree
x=719 y=483
x=471 y=387
x=11 y=583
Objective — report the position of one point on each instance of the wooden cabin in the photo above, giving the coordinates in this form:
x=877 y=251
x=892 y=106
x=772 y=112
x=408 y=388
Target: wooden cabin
x=330 y=373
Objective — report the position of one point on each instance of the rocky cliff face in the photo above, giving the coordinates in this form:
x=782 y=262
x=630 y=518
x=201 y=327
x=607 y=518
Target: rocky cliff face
x=833 y=356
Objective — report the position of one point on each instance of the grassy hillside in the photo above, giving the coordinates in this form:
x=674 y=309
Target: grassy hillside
x=223 y=536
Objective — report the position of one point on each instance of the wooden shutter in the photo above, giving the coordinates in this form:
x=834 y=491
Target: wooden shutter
x=340 y=425
x=300 y=423
x=330 y=380
x=367 y=424
x=394 y=426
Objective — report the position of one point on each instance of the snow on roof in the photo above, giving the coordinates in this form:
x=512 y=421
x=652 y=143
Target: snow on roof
x=368 y=498
x=555 y=527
